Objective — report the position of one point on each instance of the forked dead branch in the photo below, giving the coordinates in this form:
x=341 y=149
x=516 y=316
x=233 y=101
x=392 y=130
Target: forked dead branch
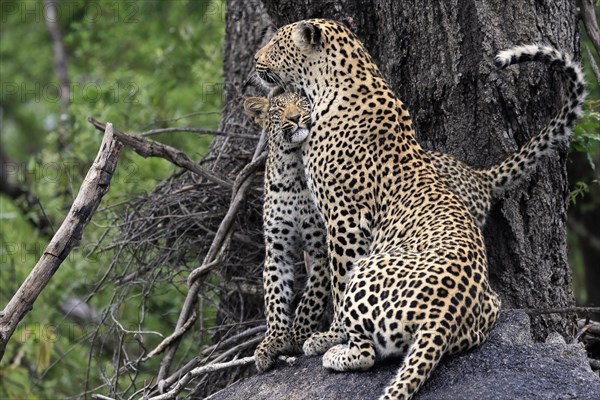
x=93 y=188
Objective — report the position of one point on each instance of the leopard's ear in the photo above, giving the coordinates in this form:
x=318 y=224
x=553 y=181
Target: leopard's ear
x=307 y=37
x=256 y=108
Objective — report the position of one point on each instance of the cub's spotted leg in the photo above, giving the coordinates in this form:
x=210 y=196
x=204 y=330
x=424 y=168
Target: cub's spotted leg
x=318 y=284
x=272 y=346
x=357 y=354
x=423 y=356
x=278 y=278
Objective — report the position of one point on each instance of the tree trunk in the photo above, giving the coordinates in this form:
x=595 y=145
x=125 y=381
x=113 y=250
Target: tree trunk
x=438 y=56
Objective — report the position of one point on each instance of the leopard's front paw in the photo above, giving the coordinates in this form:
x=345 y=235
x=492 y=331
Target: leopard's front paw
x=320 y=342
x=332 y=356
x=267 y=351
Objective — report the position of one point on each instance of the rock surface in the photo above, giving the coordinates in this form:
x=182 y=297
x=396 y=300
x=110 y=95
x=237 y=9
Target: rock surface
x=508 y=366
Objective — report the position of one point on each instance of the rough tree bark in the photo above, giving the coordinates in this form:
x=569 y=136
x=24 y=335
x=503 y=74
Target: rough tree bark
x=438 y=57
x=245 y=27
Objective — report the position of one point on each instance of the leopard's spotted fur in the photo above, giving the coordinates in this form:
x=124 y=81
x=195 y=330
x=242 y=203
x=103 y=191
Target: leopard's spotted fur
x=422 y=288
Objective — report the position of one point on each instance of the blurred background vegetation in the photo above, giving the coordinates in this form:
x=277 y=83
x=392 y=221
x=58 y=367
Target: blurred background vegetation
x=138 y=64
x=141 y=65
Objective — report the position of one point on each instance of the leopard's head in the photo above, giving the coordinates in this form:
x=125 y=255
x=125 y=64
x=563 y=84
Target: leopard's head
x=284 y=118
x=302 y=54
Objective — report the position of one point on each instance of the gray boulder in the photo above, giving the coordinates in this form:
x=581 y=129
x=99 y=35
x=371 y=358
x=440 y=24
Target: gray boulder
x=507 y=366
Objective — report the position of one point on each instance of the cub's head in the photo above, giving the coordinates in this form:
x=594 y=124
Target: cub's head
x=303 y=52
x=284 y=118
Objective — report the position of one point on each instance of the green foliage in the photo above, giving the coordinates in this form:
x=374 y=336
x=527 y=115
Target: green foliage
x=586 y=137
x=585 y=181
x=586 y=140
x=138 y=64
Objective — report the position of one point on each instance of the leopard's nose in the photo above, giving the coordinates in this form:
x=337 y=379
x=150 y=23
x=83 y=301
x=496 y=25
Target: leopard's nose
x=295 y=119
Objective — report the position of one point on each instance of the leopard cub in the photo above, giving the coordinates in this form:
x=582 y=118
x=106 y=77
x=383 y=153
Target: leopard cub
x=292 y=225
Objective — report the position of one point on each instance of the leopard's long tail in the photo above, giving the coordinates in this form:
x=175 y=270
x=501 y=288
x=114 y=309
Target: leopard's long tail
x=558 y=130
x=422 y=358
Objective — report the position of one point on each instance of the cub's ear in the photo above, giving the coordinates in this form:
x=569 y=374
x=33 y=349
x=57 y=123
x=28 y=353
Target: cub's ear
x=256 y=108
x=307 y=37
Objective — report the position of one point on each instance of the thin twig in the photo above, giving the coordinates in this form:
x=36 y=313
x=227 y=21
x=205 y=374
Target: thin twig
x=199 y=131
x=126 y=331
x=593 y=64
x=168 y=382
x=150 y=148
x=156 y=121
x=235 y=339
x=176 y=334
x=580 y=333
x=564 y=310
x=588 y=14
x=200 y=371
x=251 y=343
x=240 y=186
x=101 y=397
x=593 y=327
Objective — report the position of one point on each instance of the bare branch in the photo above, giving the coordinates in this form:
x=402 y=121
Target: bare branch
x=199 y=371
x=150 y=148
x=93 y=188
x=588 y=14
x=591 y=326
x=235 y=339
x=168 y=382
x=127 y=331
x=101 y=397
x=199 y=131
x=565 y=310
x=593 y=64
x=176 y=334
x=194 y=114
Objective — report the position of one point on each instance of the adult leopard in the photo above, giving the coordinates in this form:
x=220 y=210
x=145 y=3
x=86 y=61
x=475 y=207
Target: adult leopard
x=419 y=284
x=286 y=118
